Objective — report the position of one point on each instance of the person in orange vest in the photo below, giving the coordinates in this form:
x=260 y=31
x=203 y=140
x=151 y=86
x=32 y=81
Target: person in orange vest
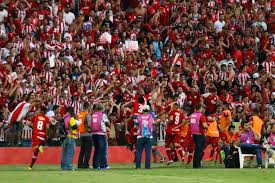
x=226 y=117
x=257 y=123
x=85 y=137
x=187 y=142
x=212 y=133
x=228 y=140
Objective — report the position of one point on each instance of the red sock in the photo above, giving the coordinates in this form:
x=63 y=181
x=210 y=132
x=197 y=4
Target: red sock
x=180 y=152
x=34 y=158
x=189 y=159
x=168 y=152
x=203 y=154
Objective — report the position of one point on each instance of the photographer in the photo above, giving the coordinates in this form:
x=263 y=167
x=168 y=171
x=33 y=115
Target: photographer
x=68 y=146
x=247 y=138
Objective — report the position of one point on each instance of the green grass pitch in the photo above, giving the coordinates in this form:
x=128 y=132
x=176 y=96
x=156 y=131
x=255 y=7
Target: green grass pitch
x=159 y=173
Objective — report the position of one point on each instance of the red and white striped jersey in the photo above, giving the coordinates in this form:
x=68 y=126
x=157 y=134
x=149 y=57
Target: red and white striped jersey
x=223 y=76
x=49 y=50
x=18 y=46
x=132 y=80
x=48 y=76
x=267 y=66
x=65 y=101
x=28 y=29
x=3 y=135
x=35 y=78
x=23 y=92
x=242 y=78
x=48 y=28
x=87 y=46
x=21 y=14
x=101 y=83
x=211 y=76
x=26 y=132
x=67 y=46
x=34 y=46
x=77 y=105
x=53 y=92
x=58 y=29
x=60 y=64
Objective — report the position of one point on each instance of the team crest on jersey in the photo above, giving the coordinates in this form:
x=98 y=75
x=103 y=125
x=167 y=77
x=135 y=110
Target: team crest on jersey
x=41 y=118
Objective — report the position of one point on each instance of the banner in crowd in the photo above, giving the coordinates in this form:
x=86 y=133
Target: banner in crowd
x=131 y=45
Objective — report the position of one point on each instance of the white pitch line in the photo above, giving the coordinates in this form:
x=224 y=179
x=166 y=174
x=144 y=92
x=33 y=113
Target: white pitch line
x=171 y=177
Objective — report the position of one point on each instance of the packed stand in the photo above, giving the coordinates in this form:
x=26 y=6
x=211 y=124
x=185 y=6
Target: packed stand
x=60 y=54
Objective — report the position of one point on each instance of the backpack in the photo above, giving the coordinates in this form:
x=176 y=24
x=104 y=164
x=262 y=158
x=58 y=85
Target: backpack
x=232 y=161
x=62 y=130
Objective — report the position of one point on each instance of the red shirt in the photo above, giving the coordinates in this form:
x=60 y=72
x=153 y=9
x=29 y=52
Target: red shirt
x=246 y=91
x=27 y=63
x=137 y=108
x=177 y=119
x=2 y=101
x=210 y=103
x=194 y=98
x=239 y=58
x=202 y=121
x=228 y=98
x=249 y=54
x=39 y=125
x=220 y=56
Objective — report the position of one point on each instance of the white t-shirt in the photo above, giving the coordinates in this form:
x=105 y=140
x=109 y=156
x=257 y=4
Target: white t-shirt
x=218 y=25
x=50 y=114
x=69 y=17
x=69 y=58
x=262 y=24
x=226 y=62
x=3 y=15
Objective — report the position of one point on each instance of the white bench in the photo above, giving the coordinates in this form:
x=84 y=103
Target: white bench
x=242 y=156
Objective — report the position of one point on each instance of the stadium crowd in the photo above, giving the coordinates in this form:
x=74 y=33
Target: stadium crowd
x=216 y=56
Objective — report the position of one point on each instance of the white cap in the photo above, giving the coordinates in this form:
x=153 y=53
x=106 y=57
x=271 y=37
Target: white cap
x=256 y=75
x=177 y=63
x=20 y=64
x=146 y=108
x=100 y=48
x=66 y=91
x=89 y=91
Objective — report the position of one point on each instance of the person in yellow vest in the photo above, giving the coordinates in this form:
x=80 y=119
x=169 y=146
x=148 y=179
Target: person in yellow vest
x=85 y=137
x=257 y=123
x=68 y=145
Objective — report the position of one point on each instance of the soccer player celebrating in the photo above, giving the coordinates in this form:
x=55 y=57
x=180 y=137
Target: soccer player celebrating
x=173 y=135
x=40 y=124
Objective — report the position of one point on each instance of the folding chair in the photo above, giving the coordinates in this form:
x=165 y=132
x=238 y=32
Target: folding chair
x=242 y=156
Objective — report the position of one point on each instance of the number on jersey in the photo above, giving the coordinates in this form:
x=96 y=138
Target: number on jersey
x=39 y=125
x=95 y=119
x=140 y=110
x=177 y=118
